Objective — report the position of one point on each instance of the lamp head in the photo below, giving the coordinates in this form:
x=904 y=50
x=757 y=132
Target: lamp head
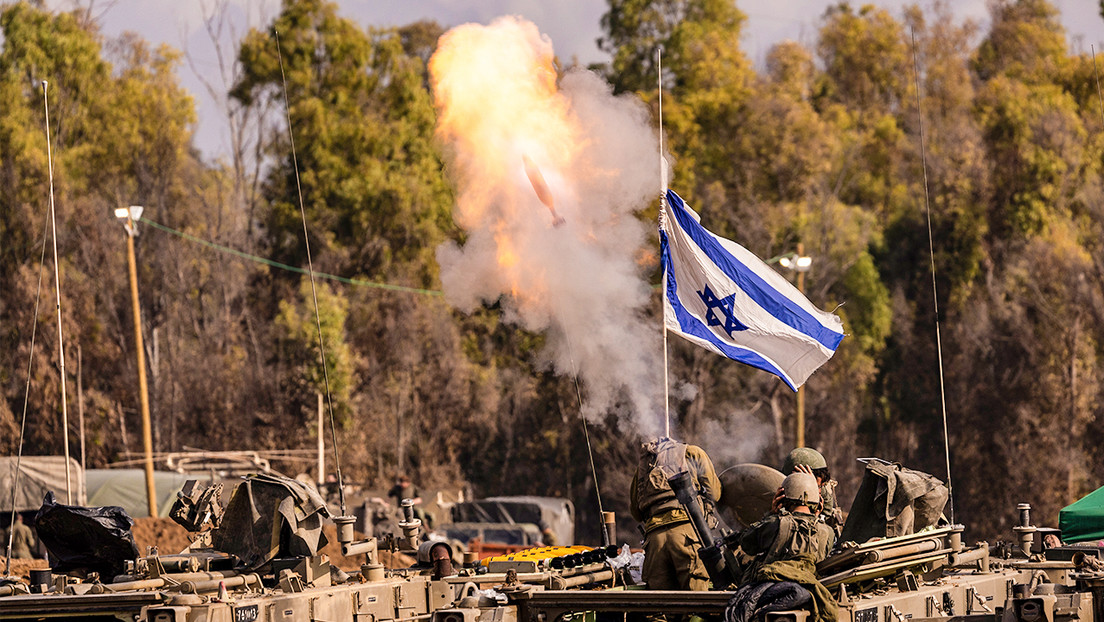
x=130 y=217
x=795 y=262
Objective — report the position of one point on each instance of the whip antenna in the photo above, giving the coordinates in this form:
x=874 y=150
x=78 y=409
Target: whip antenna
x=310 y=271
x=57 y=290
x=26 y=397
x=586 y=431
x=935 y=291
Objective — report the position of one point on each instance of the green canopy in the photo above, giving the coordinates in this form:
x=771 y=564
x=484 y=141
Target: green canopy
x=1083 y=520
x=127 y=488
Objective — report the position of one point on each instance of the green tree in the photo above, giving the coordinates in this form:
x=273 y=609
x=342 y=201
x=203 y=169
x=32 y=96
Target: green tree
x=299 y=353
x=121 y=129
x=363 y=121
x=865 y=59
x=1025 y=42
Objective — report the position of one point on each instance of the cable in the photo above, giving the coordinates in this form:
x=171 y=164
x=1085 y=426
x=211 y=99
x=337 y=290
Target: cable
x=57 y=290
x=26 y=396
x=586 y=428
x=284 y=266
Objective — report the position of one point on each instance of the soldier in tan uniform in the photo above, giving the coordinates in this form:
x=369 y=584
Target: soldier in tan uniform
x=671 y=545
x=22 y=539
x=809 y=460
x=791 y=531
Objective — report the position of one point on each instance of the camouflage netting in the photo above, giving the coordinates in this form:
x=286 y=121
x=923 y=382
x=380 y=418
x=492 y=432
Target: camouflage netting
x=893 y=501
x=269 y=517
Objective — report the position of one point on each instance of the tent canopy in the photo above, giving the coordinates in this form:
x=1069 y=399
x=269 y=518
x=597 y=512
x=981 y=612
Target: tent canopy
x=1083 y=520
x=37 y=476
x=126 y=488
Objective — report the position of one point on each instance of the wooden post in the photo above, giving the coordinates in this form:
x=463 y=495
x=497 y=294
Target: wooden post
x=143 y=391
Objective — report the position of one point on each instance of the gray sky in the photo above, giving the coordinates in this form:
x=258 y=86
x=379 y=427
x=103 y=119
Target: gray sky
x=572 y=25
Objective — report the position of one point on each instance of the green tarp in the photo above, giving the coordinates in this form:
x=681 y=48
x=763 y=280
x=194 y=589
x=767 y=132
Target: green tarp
x=1083 y=520
x=126 y=488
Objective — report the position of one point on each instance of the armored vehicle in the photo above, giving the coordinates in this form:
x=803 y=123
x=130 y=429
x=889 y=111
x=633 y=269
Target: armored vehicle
x=259 y=560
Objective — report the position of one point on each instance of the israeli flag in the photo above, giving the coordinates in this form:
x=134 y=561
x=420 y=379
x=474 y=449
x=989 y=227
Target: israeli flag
x=720 y=296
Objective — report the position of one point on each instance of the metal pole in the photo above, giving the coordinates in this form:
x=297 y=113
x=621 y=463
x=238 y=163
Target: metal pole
x=143 y=392
x=799 y=424
x=662 y=208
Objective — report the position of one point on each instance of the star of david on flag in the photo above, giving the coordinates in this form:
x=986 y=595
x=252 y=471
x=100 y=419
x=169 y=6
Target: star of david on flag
x=722 y=297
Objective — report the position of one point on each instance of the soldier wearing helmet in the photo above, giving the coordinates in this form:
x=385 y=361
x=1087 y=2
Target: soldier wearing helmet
x=809 y=460
x=671 y=545
x=791 y=531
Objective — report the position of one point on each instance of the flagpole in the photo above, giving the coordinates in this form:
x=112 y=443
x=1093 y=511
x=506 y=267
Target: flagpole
x=662 y=209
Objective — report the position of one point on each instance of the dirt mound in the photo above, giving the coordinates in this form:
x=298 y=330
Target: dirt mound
x=22 y=567
x=333 y=550
x=164 y=533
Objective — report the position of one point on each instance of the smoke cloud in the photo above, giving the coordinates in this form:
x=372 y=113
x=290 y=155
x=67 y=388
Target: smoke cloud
x=549 y=174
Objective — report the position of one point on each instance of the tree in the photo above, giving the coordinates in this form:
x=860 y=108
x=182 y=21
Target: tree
x=121 y=132
x=363 y=120
x=299 y=328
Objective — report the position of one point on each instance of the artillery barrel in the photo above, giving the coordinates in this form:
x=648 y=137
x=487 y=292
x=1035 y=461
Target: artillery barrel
x=901 y=550
x=195 y=587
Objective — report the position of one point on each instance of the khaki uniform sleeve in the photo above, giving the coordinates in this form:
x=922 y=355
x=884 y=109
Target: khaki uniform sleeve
x=827 y=537
x=707 y=478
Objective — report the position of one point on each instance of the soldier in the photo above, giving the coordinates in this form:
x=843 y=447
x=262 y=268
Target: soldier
x=809 y=460
x=786 y=545
x=404 y=489
x=22 y=538
x=670 y=543
x=791 y=531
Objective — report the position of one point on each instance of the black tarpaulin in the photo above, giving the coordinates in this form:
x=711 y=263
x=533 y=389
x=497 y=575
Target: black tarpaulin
x=95 y=539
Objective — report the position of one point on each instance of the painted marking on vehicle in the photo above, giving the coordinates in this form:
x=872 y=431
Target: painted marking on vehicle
x=248 y=613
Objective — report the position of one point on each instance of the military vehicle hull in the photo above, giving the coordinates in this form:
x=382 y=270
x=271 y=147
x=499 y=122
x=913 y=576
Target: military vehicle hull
x=921 y=577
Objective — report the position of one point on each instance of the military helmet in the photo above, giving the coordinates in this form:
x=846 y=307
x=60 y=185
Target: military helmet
x=801 y=487
x=804 y=455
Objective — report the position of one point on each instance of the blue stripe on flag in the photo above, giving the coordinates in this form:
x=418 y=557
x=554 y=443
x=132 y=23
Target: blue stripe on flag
x=781 y=307
x=694 y=327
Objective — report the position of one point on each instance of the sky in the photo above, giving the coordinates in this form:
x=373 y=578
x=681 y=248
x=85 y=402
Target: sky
x=572 y=25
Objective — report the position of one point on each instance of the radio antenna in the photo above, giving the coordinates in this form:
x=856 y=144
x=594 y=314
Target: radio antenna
x=310 y=271
x=935 y=291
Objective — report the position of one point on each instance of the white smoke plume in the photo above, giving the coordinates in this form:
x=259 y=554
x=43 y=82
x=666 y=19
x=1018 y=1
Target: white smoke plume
x=560 y=256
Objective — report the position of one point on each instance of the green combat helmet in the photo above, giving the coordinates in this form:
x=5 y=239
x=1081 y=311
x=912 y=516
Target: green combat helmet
x=801 y=487
x=803 y=455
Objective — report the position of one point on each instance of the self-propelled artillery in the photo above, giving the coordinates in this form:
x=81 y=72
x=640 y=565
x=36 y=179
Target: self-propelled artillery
x=259 y=560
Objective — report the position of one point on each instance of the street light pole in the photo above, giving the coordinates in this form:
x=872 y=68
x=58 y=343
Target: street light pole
x=799 y=263
x=130 y=217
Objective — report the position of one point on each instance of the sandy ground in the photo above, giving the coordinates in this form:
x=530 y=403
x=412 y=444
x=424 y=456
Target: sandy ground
x=164 y=533
x=22 y=567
